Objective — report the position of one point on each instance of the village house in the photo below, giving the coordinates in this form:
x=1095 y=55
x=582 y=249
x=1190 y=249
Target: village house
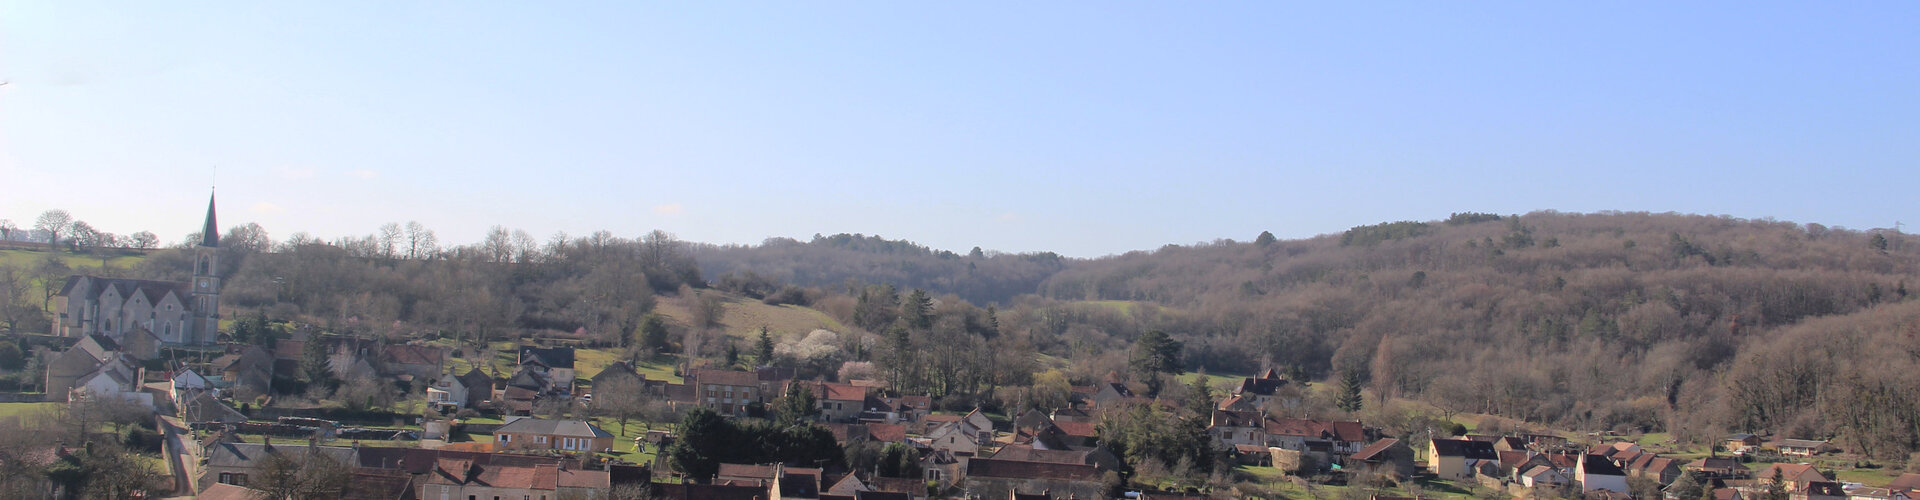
x=247 y=367
x=838 y=402
x=777 y=480
x=1237 y=428
x=544 y=434
x=1258 y=392
x=991 y=478
x=1542 y=476
x=555 y=362
x=1741 y=442
x=459 y=478
x=1387 y=457
x=454 y=392
x=1719 y=468
x=959 y=437
x=241 y=464
x=1792 y=476
x=1597 y=473
x=1803 y=447
x=1456 y=458
x=410 y=362
x=1335 y=439
x=726 y=391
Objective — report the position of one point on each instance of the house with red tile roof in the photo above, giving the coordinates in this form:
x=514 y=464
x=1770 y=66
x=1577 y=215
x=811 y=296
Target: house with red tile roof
x=461 y=478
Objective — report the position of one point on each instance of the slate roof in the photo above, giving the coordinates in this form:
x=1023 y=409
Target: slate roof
x=1231 y=418
x=620 y=369
x=254 y=454
x=569 y=428
x=154 y=291
x=1596 y=465
x=204 y=408
x=988 y=467
x=1469 y=449
x=551 y=357
x=881 y=495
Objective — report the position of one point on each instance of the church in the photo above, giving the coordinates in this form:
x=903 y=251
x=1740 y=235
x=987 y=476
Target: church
x=139 y=311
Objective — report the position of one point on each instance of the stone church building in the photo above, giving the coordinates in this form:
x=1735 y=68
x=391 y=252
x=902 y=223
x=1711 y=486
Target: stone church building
x=177 y=313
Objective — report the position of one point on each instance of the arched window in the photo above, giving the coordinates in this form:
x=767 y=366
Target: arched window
x=203 y=264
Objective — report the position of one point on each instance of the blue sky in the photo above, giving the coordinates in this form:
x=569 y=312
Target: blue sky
x=1081 y=128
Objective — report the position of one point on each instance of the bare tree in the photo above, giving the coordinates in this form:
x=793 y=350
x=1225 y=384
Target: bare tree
x=388 y=240
x=53 y=222
x=622 y=398
x=421 y=242
x=144 y=240
x=6 y=230
x=303 y=474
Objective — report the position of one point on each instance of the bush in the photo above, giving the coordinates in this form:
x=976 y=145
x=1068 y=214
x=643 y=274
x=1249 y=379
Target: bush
x=138 y=438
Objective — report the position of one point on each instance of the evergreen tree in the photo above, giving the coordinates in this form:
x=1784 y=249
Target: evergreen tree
x=313 y=361
x=653 y=332
x=1200 y=397
x=1154 y=354
x=704 y=437
x=901 y=359
x=1266 y=239
x=1348 y=399
x=1776 y=487
x=993 y=322
x=798 y=405
x=917 y=310
x=763 y=348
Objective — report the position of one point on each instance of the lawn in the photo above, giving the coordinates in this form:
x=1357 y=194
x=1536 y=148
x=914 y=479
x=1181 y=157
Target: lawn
x=1214 y=380
x=29 y=258
x=8 y=410
x=1870 y=477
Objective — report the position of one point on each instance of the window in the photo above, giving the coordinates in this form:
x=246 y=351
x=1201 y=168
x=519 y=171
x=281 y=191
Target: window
x=239 y=479
x=540 y=439
x=226 y=477
x=506 y=438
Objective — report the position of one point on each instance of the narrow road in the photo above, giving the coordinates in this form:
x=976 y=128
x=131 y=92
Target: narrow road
x=180 y=459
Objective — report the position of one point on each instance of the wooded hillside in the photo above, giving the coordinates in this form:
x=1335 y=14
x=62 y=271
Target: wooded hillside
x=1657 y=322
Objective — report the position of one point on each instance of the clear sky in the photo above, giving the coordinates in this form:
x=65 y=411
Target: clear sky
x=1082 y=128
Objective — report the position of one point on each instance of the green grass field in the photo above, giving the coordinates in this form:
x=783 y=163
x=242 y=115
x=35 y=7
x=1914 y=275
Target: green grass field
x=10 y=410
x=744 y=317
x=77 y=261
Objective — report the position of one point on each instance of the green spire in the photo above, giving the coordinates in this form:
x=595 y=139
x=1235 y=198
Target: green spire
x=210 y=235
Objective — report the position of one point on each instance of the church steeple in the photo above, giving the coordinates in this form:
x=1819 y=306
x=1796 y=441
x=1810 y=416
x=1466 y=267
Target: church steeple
x=210 y=235
x=205 y=327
